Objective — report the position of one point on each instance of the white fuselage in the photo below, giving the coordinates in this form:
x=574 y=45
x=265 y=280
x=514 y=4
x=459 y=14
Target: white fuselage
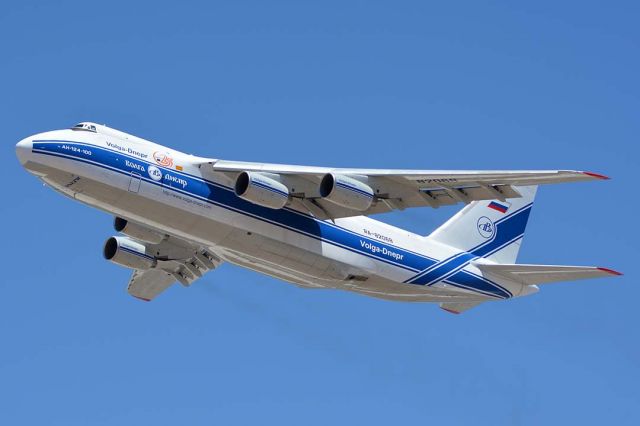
x=181 y=195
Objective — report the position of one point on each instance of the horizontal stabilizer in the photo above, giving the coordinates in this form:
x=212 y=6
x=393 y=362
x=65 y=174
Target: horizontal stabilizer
x=543 y=274
x=458 y=308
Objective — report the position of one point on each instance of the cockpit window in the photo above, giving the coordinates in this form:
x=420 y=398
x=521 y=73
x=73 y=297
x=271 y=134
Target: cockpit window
x=84 y=126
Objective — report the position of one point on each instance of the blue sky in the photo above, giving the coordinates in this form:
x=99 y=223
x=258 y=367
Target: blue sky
x=452 y=85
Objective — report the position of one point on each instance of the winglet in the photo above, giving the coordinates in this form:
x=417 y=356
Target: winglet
x=142 y=298
x=457 y=308
x=610 y=271
x=596 y=175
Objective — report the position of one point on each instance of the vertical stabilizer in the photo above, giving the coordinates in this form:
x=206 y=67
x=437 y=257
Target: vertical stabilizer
x=490 y=229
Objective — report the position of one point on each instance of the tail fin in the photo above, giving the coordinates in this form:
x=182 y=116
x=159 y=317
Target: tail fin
x=490 y=229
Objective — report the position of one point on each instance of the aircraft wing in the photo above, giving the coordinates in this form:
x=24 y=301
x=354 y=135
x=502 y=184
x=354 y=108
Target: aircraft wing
x=400 y=189
x=147 y=284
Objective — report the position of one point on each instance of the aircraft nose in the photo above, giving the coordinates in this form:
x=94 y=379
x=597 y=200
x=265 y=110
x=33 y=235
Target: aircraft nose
x=23 y=149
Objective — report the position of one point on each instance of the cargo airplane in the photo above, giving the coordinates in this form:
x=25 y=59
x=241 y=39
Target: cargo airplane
x=179 y=216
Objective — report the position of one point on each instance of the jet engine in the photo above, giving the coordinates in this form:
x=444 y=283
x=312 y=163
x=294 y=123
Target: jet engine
x=262 y=190
x=128 y=253
x=346 y=191
x=137 y=231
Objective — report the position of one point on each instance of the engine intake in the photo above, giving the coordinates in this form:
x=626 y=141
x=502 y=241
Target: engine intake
x=128 y=253
x=346 y=191
x=136 y=231
x=261 y=190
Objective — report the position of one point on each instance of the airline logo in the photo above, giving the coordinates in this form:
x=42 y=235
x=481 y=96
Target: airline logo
x=486 y=227
x=163 y=159
x=154 y=173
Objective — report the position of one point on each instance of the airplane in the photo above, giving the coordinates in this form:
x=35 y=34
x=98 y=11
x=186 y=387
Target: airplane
x=179 y=216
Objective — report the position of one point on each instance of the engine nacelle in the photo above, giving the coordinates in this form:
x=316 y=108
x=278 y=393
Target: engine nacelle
x=136 y=231
x=261 y=190
x=128 y=253
x=346 y=191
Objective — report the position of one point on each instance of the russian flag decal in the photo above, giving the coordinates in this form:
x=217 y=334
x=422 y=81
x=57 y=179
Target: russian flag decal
x=502 y=208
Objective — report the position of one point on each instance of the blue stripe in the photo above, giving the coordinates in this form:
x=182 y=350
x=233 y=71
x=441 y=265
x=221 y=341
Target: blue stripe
x=269 y=188
x=473 y=282
x=128 y=250
x=493 y=283
x=515 y=223
x=505 y=231
x=353 y=189
x=442 y=269
x=219 y=195
x=503 y=236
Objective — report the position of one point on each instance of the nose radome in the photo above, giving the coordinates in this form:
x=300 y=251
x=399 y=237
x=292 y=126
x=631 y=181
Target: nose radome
x=23 y=150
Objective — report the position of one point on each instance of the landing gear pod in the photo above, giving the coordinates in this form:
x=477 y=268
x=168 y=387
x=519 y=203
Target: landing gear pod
x=346 y=191
x=261 y=190
x=128 y=253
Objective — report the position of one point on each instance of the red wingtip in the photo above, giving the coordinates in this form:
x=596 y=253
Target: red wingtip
x=451 y=311
x=142 y=298
x=610 y=271
x=596 y=175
